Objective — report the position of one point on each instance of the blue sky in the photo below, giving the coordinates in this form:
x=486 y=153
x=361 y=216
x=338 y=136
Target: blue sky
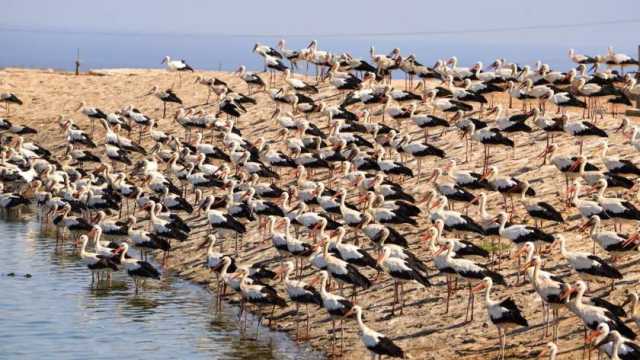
x=44 y=33
x=328 y=16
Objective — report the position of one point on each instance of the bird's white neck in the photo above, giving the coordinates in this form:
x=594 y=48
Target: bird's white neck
x=487 y=295
x=323 y=286
x=578 y=299
x=563 y=247
x=602 y=191
x=503 y=224
x=287 y=273
x=483 y=207
x=210 y=251
x=83 y=247
x=361 y=324
x=123 y=254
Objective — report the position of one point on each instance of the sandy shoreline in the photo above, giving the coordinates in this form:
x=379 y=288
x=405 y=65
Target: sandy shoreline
x=423 y=331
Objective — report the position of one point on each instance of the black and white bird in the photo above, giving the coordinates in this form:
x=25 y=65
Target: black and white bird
x=467 y=270
x=250 y=78
x=147 y=241
x=297 y=84
x=551 y=289
x=592 y=315
x=81 y=155
x=401 y=271
x=176 y=65
x=380 y=234
x=344 y=271
x=453 y=220
x=351 y=253
x=614 y=243
x=164 y=227
x=520 y=234
x=10 y=201
x=488 y=137
x=375 y=342
x=337 y=306
x=462 y=248
x=588 y=266
x=504 y=314
x=620 y=210
x=427 y=122
x=582 y=129
x=219 y=220
x=420 y=151
x=300 y=293
x=453 y=191
x=539 y=210
x=581 y=58
x=507 y=186
x=615 y=165
x=97 y=264
x=8 y=99
x=166 y=96
x=6 y=125
x=138 y=270
x=603 y=338
x=257 y=293
x=466 y=178
x=91 y=112
x=77 y=136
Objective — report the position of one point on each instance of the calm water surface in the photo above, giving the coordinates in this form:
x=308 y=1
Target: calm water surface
x=56 y=314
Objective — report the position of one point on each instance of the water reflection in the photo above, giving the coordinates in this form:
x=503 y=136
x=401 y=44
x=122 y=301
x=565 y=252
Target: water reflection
x=50 y=314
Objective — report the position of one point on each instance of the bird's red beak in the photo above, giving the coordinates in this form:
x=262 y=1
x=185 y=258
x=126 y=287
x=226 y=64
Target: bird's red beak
x=593 y=334
x=575 y=165
x=565 y=294
x=440 y=250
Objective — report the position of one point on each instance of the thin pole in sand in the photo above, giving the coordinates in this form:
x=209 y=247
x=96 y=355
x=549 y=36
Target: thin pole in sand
x=77 y=62
x=638 y=96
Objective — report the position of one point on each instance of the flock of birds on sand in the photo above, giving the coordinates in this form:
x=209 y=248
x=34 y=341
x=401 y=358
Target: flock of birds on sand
x=330 y=191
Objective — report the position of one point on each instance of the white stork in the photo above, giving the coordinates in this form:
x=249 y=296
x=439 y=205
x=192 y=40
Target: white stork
x=336 y=305
x=551 y=290
x=605 y=340
x=453 y=220
x=616 y=165
x=592 y=315
x=97 y=264
x=375 y=342
x=139 y=270
x=610 y=241
x=620 y=210
x=468 y=270
x=583 y=129
x=503 y=314
x=401 y=271
x=300 y=293
x=588 y=266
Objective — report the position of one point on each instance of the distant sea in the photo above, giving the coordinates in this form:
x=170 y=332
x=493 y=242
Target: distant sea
x=57 y=50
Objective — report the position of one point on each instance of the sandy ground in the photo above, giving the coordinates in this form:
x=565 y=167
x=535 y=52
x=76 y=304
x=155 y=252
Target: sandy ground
x=423 y=331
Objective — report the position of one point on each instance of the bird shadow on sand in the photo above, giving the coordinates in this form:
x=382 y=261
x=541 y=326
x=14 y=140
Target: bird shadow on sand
x=429 y=331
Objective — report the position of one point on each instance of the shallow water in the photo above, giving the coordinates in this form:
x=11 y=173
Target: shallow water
x=56 y=313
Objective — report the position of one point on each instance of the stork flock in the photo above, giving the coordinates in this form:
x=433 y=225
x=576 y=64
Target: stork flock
x=351 y=179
